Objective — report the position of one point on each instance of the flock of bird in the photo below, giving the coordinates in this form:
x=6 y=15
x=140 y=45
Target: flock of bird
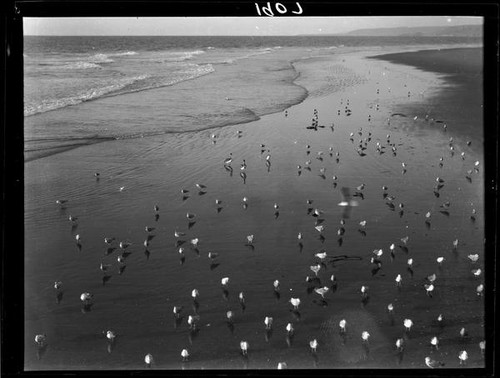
x=350 y=197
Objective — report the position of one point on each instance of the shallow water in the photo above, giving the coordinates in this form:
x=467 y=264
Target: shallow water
x=137 y=304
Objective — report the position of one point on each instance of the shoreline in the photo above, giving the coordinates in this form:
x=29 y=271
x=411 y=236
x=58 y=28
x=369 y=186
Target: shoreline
x=394 y=57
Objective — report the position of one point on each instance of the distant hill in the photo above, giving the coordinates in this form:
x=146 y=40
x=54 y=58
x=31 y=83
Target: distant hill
x=430 y=31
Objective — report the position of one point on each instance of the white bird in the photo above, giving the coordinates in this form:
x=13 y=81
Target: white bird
x=313 y=344
x=435 y=342
x=429 y=289
x=57 y=285
x=177 y=311
x=390 y=308
x=148 y=359
x=178 y=234
x=195 y=294
x=149 y=229
x=192 y=321
x=343 y=325
x=405 y=239
x=473 y=258
x=110 y=335
x=244 y=347
x=408 y=324
x=224 y=281
x=440 y=260
x=321 y=255
x=321 y=291
x=276 y=285
x=289 y=328
x=433 y=363
x=78 y=238
x=398 y=280
x=282 y=366
x=315 y=268
x=364 y=291
x=268 y=321
x=212 y=255
x=320 y=228
x=108 y=240
x=124 y=245
x=463 y=332
x=190 y=216
x=476 y=272
x=463 y=356
x=201 y=187
x=86 y=297
x=378 y=252
x=362 y=223
x=230 y=316
x=228 y=160
x=365 y=336
x=410 y=263
x=40 y=339
x=482 y=346
x=455 y=244
x=195 y=242
x=480 y=289
x=72 y=219
x=250 y=239
x=299 y=236
x=185 y=355
x=400 y=344
x=122 y=188
x=295 y=303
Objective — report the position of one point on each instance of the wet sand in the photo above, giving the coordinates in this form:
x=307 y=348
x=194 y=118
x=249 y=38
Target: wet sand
x=135 y=299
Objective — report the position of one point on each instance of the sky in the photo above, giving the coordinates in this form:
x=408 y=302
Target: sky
x=228 y=25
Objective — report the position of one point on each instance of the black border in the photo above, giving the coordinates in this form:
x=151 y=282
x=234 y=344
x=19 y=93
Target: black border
x=12 y=301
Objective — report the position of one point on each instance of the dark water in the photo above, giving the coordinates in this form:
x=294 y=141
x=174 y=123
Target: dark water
x=135 y=298
x=136 y=86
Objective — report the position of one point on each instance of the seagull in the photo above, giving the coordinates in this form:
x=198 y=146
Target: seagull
x=408 y=324
x=177 y=311
x=148 y=359
x=400 y=344
x=313 y=344
x=86 y=298
x=110 y=335
x=276 y=285
x=40 y=339
x=295 y=303
x=268 y=321
x=473 y=258
x=364 y=291
x=365 y=336
x=343 y=325
x=435 y=342
x=178 y=234
x=192 y=321
x=463 y=356
x=398 y=280
x=250 y=239
x=476 y=272
x=185 y=355
x=282 y=366
x=433 y=363
x=244 y=347
x=315 y=269
x=480 y=289
x=195 y=294
x=321 y=291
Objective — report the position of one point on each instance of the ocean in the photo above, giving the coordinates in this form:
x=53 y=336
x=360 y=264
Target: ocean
x=140 y=86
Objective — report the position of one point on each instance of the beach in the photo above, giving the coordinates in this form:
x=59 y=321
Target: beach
x=381 y=121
